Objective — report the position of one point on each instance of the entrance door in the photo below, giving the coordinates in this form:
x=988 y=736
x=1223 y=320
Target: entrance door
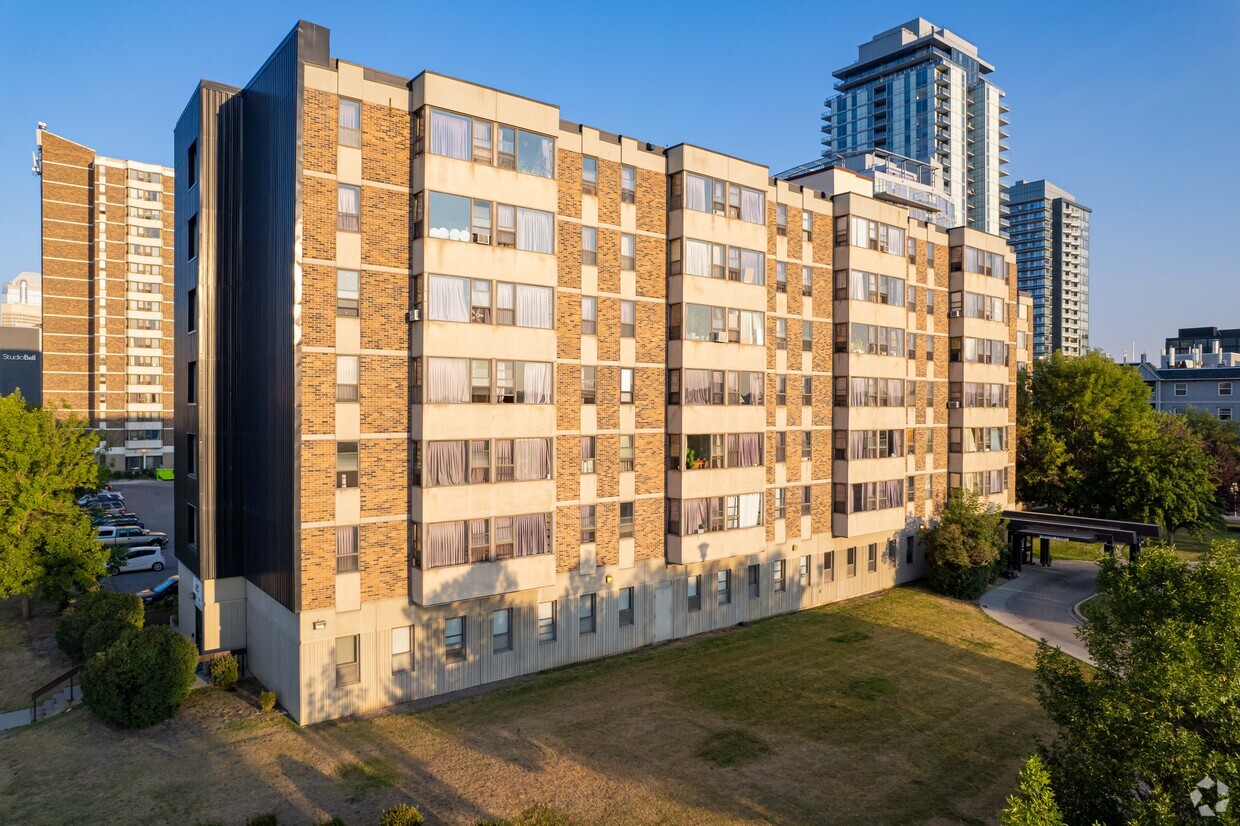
x=663 y=611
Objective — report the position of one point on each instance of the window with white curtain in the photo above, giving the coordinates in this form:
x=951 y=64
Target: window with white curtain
x=628 y=319
x=348 y=208
x=447 y=381
x=535 y=230
x=349 y=132
x=448 y=298
x=346 y=378
x=628 y=252
x=535 y=306
x=450 y=135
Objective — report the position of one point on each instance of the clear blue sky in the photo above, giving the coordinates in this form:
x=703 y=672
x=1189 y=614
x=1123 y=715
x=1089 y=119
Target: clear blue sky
x=1133 y=107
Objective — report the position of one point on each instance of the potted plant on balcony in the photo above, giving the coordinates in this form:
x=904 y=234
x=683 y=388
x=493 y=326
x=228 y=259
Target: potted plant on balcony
x=690 y=458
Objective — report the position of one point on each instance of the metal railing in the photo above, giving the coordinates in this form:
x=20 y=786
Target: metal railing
x=69 y=676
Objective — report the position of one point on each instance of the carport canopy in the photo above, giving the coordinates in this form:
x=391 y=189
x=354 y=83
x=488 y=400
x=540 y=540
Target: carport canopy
x=1049 y=526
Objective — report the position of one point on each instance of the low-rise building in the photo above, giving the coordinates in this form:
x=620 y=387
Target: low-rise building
x=1205 y=380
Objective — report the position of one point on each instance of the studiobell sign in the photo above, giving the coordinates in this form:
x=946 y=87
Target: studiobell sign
x=22 y=370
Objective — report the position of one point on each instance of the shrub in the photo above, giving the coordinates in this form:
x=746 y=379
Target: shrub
x=224 y=671
x=142 y=678
x=336 y=820
x=402 y=814
x=94 y=612
x=540 y=815
x=267 y=700
x=964 y=550
x=268 y=819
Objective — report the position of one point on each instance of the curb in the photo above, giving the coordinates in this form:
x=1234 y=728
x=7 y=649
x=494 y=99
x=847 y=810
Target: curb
x=1076 y=609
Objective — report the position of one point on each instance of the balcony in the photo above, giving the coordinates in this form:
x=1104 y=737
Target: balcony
x=716 y=545
x=454 y=583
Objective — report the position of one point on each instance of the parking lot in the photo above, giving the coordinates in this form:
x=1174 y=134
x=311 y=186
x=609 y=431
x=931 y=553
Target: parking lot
x=152 y=502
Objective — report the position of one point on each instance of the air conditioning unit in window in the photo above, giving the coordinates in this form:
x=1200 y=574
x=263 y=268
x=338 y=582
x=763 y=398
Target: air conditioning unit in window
x=953 y=314
x=953 y=405
x=723 y=337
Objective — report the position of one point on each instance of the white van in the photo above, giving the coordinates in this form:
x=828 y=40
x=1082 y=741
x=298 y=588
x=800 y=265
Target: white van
x=144 y=558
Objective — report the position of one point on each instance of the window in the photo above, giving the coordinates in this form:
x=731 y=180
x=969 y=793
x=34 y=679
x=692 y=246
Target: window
x=871 y=558
x=807 y=498
x=909 y=547
x=483 y=145
x=628 y=252
x=626 y=453
x=1224 y=414
x=807 y=337
x=781 y=446
x=346 y=549
x=191 y=166
x=191 y=382
x=546 y=622
x=589 y=384
x=587 y=524
x=191 y=454
x=912 y=251
x=803 y=571
x=501 y=630
x=828 y=566
x=628 y=185
x=807 y=226
x=781 y=277
x=1224 y=388
x=346 y=464
x=402 y=649
x=781 y=219
x=480 y=381
x=626 y=385
x=850 y=568
x=349 y=128
x=589 y=175
x=454 y=639
x=781 y=334
x=807 y=279
x=1181 y=388
x=754 y=581
x=807 y=390
x=587 y=454
x=191 y=310
x=191 y=522
x=535 y=153
x=589 y=246
x=779 y=578
x=349 y=208
x=626 y=607
x=695 y=593
x=585 y=614
x=781 y=503
x=807 y=446
x=346 y=293
x=626 y=520
x=191 y=239
x=723 y=587
x=348 y=669
x=781 y=391
x=589 y=315
x=346 y=378
x=628 y=319
x=929 y=347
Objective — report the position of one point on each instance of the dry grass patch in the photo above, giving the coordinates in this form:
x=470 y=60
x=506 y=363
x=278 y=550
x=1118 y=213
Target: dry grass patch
x=900 y=708
x=28 y=653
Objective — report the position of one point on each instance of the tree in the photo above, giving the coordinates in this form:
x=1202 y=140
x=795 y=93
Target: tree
x=1087 y=442
x=963 y=548
x=47 y=545
x=1034 y=802
x=143 y=678
x=1159 y=714
x=100 y=615
x=1222 y=442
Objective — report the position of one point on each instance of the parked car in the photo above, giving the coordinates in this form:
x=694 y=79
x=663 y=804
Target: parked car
x=130 y=535
x=163 y=589
x=106 y=506
x=123 y=521
x=101 y=496
x=144 y=558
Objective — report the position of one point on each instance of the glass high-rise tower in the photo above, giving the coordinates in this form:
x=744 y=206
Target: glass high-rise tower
x=923 y=92
x=1050 y=234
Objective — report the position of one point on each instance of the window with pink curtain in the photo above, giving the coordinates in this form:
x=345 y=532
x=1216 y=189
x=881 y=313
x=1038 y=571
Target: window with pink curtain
x=445 y=464
x=531 y=533
x=446 y=544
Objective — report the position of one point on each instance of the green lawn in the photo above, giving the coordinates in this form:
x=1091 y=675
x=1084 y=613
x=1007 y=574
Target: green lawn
x=1187 y=547
x=901 y=708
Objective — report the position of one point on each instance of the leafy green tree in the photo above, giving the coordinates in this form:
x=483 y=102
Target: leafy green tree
x=1034 y=802
x=143 y=678
x=1222 y=442
x=1087 y=442
x=101 y=616
x=964 y=548
x=47 y=544
x=1160 y=712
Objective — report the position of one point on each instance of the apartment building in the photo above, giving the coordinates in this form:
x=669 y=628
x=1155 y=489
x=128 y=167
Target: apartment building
x=107 y=269
x=1203 y=379
x=924 y=92
x=468 y=391
x=1050 y=235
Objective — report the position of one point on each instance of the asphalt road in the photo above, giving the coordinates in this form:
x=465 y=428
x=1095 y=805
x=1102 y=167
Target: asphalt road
x=1039 y=603
x=152 y=502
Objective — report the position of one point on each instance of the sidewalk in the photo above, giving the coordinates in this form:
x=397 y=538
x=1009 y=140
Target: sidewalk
x=1039 y=604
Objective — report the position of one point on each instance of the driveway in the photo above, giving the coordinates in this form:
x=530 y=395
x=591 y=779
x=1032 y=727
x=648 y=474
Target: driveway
x=1039 y=603
x=152 y=501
